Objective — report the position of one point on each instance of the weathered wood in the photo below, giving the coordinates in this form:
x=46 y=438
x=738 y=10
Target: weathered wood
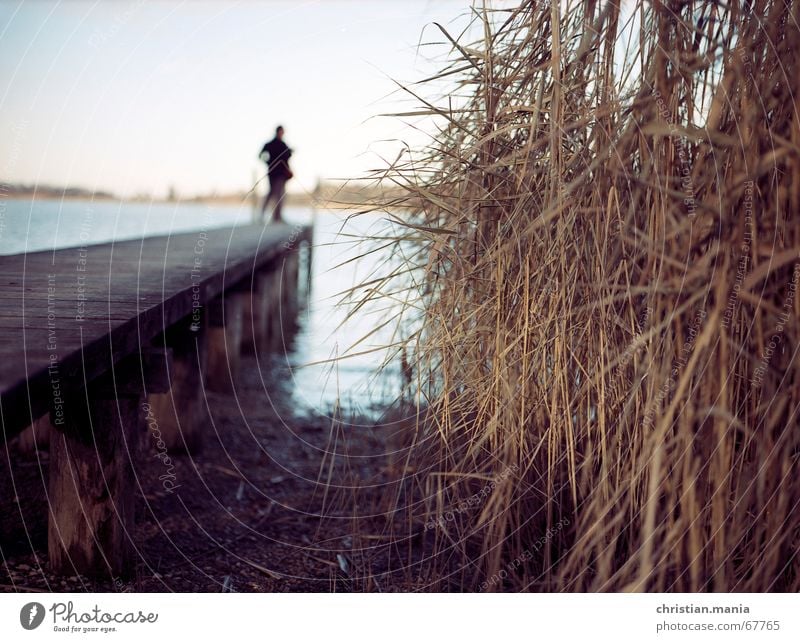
x=256 y=314
x=91 y=490
x=224 y=341
x=35 y=436
x=306 y=252
x=77 y=327
x=177 y=417
x=275 y=335
x=138 y=374
x=288 y=300
x=84 y=309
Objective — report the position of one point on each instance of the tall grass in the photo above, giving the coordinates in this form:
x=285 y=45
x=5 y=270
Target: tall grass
x=600 y=316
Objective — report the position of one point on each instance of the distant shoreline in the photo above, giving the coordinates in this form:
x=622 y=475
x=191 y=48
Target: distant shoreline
x=291 y=199
x=329 y=196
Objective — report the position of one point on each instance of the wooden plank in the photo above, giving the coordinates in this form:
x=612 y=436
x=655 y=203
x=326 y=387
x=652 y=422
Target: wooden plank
x=84 y=309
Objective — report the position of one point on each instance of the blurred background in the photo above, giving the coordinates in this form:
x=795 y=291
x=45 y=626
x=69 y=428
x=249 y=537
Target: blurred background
x=121 y=120
x=176 y=98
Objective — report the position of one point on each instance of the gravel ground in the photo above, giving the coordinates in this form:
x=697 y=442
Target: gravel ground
x=275 y=501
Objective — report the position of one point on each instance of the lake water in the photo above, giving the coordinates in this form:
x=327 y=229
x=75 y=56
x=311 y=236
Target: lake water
x=323 y=335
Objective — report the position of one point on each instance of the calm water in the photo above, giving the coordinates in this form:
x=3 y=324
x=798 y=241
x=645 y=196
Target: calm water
x=27 y=226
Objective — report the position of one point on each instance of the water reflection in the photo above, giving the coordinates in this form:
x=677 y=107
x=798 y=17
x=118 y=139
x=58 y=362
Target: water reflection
x=328 y=359
x=323 y=362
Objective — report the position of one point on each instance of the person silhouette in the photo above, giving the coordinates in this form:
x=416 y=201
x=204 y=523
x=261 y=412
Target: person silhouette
x=276 y=155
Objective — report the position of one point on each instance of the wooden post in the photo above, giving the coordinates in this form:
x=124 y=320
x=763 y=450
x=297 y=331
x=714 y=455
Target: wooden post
x=256 y=305
x=36 y=436
x=93 y=449
x=288 y=300
x=176 y=418
x=92 y=488
x=275 y=338
x=305 y=275
x=224 y=340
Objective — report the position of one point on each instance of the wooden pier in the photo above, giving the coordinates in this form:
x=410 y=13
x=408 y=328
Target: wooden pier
x=106 y=347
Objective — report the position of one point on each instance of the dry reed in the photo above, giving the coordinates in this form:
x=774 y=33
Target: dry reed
x=599 y=306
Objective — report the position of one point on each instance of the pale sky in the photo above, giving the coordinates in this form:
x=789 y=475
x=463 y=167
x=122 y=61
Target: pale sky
x=134 y=97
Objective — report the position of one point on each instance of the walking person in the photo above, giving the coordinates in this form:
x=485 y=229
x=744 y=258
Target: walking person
x=276 y=154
